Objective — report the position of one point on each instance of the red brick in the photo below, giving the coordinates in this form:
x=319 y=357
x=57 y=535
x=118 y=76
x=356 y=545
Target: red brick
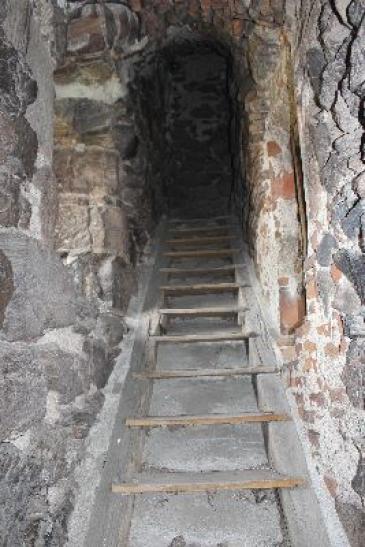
x=273 y=149
x=331 y=350
x=291 y=311
x=283 y=186
x=318 y=399
x=336 y=274
x=311 y=288
x=331 y=484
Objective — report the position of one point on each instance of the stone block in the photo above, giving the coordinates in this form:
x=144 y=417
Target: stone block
x=116 y=231
x=65 y=373
x=99 y=361
x=88 y=171
x=43 y=294
x=352 y=264
x=23 y=388
x=111 y=327
x=6 y=284
x=89 y=74
x=72 y=229
x=86 y=34
x=325 y=248
x=92 y=116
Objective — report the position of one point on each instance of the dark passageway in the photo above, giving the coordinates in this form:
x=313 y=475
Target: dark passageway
x=185 y=103
x=198 y=171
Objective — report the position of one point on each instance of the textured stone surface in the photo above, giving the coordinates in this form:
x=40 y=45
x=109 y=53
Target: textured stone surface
x=43 y=293
x=296 y=94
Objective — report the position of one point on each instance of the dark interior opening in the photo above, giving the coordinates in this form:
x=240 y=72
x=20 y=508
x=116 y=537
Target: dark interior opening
x=185 y=113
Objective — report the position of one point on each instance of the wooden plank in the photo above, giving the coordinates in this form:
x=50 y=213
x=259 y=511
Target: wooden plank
x=194 y=240
x=202 y=312
x=216 y=337
x=192 y=220
x=211 y=419
x=196 y=373
x=200 y=288
x=201 y=253
x=218 y=270
x=202 y=230
x=181 y=483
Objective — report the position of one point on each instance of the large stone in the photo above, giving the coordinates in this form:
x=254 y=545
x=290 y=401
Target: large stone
x=6 y=284
x=325 y=248
x=72 y=230
x=43 y=294
x=23 y=387
x=87 y=171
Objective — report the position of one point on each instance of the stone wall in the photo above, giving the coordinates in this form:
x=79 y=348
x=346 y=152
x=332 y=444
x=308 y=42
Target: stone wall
x=70 y=236
x=57 y=341
x=327 y=43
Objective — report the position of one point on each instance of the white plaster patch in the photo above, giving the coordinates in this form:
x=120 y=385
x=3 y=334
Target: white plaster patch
x=67 y=340
x=33 y=195
x=108 y=92
x=52 y=410
x=22 y=441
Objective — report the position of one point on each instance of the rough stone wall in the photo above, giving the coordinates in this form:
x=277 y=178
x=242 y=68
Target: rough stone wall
x=273 y=217
x=328 y=40
x=56 y=349
x=299 y=98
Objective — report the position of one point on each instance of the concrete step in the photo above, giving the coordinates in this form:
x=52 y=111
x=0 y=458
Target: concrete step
x=201 y=355
x=205 y=448
x=206 y=395
x=230 y=519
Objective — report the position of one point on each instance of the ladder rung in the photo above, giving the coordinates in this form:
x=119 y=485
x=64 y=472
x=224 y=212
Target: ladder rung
x=196 y=373
x=201 y=288
x=193 y=240
x=216 y=337
x=202 y=230
x=230 y=268
x=192 y=220
x=211 y=419
x=201 y=312
x=201 y=253
x=206 y=482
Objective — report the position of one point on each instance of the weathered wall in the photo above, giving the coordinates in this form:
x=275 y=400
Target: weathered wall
x=56 y=348
x=328 y=42
x=298 y=99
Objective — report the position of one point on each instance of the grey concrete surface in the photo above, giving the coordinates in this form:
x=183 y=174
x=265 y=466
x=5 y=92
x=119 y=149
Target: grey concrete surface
x=202 y=396
x=206 y=448
x=201 y=355
x=240 y=519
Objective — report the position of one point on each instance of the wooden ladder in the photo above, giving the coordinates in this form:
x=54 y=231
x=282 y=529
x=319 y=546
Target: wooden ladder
x=195 y=241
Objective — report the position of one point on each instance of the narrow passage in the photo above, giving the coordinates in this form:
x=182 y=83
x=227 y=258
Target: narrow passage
x=203 y=476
